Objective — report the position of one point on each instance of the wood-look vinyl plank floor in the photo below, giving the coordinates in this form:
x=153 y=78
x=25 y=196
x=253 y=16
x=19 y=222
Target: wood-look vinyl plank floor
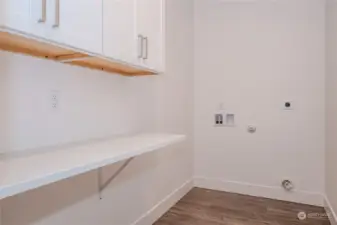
x=208 y=207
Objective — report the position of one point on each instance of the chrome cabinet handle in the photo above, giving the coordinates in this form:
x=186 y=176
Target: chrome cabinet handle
x=57 y=14
x=140 y=46
x=43 y=12
x=146 y=55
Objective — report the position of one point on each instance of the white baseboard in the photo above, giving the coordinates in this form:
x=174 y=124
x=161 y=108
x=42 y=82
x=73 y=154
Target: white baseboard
x=260 y=191
x=164 y=205
x=272 y=192
x=330 y=211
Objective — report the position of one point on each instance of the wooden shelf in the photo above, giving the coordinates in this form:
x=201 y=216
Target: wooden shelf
x=18 y=43
x=108 y=66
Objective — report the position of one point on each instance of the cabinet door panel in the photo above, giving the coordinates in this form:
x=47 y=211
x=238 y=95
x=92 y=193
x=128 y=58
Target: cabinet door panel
x=151 y=25
x=76 y=23
x=119 y=30
x=26 y=16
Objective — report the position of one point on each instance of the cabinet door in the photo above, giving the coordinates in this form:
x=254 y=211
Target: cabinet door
x=76 y=23
x=27 y=16
x=119 y=30
x=150 y=15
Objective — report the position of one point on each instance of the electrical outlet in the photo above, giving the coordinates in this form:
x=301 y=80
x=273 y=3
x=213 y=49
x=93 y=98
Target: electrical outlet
x=54 y=100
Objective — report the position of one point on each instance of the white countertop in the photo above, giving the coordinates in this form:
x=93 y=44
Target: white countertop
x=26 y=172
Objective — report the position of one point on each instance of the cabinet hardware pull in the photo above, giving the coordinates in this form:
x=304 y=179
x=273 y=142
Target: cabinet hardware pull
x=43 y=12
x=57 y=14
x=140 y=46
x=146 y=40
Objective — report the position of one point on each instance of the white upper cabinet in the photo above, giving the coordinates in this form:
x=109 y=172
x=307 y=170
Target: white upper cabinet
x=133 y=32
x=28 y=16
x=76 y=23
x=150 y=25
x=70 y=22
x=119 y=30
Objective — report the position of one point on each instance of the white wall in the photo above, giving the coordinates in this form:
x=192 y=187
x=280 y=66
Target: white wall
x=91 y=104
x=96 y=104
x=331 y=106
x=252 y=56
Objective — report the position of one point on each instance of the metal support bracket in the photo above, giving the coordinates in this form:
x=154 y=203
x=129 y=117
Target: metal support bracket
x=102 y=186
